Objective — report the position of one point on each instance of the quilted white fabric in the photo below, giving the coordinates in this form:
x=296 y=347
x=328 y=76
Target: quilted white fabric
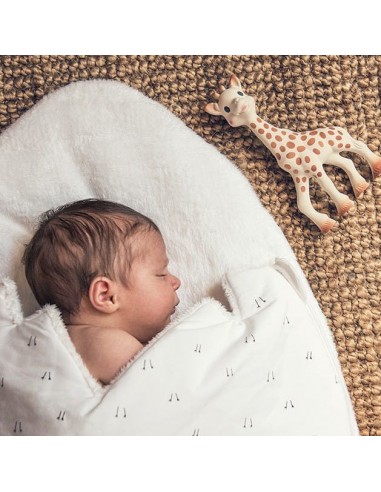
x=264 y=369
x=103 y=139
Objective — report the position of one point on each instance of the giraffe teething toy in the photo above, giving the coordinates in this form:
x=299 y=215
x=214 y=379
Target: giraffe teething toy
x=301 y=154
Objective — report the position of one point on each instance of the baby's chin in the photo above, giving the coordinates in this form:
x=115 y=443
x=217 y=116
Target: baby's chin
x=171 y=316
x=168 y=321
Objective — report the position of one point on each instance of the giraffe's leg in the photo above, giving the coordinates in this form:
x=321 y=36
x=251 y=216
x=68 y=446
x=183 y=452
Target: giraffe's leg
x=359 y=184
x=342 y=202
x=324 y=223
x=362 y=150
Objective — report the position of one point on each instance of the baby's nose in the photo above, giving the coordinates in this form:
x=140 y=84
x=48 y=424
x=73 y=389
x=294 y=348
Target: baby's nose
x=176 y=282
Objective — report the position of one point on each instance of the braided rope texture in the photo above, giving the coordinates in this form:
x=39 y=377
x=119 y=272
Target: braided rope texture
x=295 y=92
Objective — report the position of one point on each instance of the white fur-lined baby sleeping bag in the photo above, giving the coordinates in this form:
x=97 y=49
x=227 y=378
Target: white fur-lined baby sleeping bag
x=263 y=369
x=267 y=366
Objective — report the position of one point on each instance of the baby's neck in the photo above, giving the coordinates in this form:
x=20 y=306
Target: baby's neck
x=104 y=351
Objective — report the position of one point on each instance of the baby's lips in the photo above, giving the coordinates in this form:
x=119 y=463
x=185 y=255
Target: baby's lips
x=174 y=309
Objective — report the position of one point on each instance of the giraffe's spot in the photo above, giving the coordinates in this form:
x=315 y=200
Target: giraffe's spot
x=290 y=155
x=304 y=137
x=303 y=188
x=331 y=143
x=330 y=132
x=278 y=156
x=273 y=145
x=338 y=137
x=321 y=143
x=340 y=146
x=287 y=166
x=311 y=141
x=274 y=129
x=295 y=171
x=261 y=131
x=322 y=134
x=268 y=136
x=307 y=159
x=282 y=148
x=253 y=125
x=300 y=148
x=304 y=179
x=278 y=138
x=283 y=132
x=313 y=168
x=339 y=132
x=348 y=146
x=266 y=125
x=314 y=132
x=290 y=145
x=298 y=161
x=292 y=136
x=259 y=119
x=319 y=174
x=307 y=171
x=298 y=180
x=316 y=151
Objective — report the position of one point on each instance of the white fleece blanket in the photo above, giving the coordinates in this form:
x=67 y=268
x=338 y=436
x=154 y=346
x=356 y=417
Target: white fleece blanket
x=104 y=139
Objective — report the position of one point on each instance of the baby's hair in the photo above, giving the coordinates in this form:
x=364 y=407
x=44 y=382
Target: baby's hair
x=75 y=243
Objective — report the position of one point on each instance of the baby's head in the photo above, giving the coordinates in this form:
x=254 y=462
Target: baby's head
x=102 y=263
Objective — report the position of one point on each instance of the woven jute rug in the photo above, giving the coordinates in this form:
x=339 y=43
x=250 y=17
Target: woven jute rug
x=296 y=92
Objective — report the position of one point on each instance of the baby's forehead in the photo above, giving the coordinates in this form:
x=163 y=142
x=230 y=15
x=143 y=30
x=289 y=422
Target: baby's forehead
x=150 y=248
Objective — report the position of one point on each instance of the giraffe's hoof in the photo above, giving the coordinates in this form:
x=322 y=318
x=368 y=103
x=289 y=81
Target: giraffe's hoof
x=327 y=225
x=376 y=168
x=360 y=188
x=345 y=207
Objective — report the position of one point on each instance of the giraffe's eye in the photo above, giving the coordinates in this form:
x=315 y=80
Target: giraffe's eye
x=227 y=109
x=240 y=93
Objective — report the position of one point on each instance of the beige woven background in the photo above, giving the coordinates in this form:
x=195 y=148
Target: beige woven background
x=296 y=92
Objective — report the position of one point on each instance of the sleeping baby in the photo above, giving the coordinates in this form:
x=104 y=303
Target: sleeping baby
x=105 y=267
x=262 y=368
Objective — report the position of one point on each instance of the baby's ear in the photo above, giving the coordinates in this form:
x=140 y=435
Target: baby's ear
x=102 y=292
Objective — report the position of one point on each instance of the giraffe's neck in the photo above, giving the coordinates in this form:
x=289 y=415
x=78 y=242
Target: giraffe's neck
x=268 y=134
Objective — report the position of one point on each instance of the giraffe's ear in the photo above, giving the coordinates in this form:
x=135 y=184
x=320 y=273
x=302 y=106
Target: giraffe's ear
x=212 y=108
x=234 y=82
